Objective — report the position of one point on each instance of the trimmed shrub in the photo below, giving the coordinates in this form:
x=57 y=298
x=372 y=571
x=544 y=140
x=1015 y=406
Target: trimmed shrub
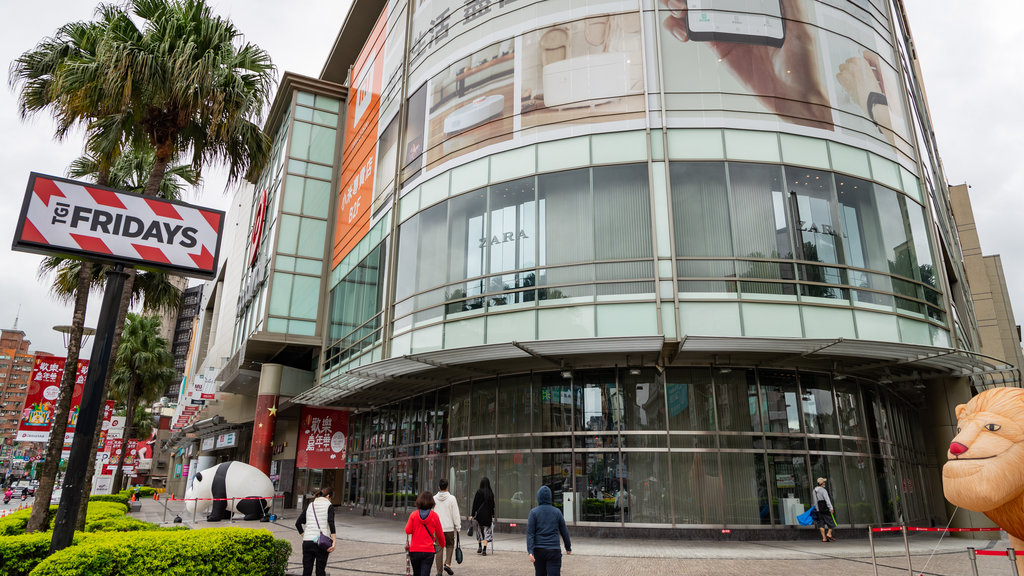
x=14 y=524
x=20 y=554
x=119 y=498
x=210 y=551
x=104 y=510
x=120 y=524
x=145 y=492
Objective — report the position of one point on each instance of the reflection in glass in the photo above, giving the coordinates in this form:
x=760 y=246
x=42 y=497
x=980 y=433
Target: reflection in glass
x=690 y=400
x=791 y=488
x=643 y=495
x=780 y=401
x=622 y=212
x=553 y=399
x=816 y=403
x=598 y=401
x=736 y=397
x=566 y=216
x=514 y=405
x=482 y=419
x=643 y=399
x=743 y=481
x=700 y=209
x=859 y=490
x=513 y=488
x=597 y=482
x=697 y=498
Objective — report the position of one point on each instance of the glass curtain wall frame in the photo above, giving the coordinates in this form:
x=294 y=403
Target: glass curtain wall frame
x=709 y=452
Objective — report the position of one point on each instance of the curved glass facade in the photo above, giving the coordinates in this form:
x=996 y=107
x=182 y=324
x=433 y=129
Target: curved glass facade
x=690 y=447
x=523 y=171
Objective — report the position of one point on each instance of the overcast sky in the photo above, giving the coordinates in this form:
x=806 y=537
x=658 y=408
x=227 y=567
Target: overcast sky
x=972 y=72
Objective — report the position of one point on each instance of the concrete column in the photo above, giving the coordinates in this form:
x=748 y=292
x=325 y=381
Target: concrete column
x=942 y=397
x=264 y=423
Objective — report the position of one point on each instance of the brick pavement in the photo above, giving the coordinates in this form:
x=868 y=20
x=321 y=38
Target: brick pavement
x=375 y=546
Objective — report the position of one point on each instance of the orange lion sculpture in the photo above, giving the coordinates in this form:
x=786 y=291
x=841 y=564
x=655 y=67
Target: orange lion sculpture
x=985 y=467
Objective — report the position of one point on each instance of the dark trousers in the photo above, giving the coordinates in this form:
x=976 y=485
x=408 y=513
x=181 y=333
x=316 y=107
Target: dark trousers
x=547 y=562
x=311 y=552
x=421 y=563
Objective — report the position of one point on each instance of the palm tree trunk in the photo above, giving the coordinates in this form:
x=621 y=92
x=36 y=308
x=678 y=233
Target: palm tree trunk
x=129 y=418
x=122 y=313
x=164 y=152
x=41 y=505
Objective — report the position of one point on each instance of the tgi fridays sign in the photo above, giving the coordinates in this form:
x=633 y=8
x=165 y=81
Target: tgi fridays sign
x=61 y=216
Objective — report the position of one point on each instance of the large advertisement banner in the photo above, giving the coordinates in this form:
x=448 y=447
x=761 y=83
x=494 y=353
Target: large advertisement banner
x=323 y=438
x=61 y=216
x=359 y=157
x=41 y=401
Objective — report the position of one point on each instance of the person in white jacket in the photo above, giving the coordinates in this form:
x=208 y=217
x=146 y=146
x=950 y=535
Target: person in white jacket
x=447 y=509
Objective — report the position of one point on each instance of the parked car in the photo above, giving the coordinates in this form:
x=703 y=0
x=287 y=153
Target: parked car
x=22 y=484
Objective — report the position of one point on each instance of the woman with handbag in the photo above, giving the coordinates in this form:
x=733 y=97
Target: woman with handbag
x=483 y=515
x=316 y=544
x=424 y=537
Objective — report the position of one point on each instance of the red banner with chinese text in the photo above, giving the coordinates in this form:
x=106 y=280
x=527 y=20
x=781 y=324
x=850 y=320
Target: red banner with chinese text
x=323 y=438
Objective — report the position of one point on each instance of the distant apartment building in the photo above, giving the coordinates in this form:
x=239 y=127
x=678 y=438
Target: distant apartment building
x=190 y=300
x=15 y=371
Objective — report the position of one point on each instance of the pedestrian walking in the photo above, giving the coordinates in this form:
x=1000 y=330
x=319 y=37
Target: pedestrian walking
x=483 y=515
x=447 y=509
x=424 y=537
x=316 y=520
x=826 y=519
x=545 y=525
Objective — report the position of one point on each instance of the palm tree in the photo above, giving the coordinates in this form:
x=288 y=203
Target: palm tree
x=39 y=73
x=143 y=370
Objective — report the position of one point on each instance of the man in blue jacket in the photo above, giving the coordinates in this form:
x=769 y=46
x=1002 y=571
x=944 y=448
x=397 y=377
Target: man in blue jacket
x=542 y=530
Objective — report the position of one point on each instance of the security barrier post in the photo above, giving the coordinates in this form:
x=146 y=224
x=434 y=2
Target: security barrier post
x=195 y=508
x=906 y=544
x=1012 y=555
x=871 y=542
x=973 y=555
x=232 y=519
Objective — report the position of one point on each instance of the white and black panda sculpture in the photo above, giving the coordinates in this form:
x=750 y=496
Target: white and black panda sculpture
x=227 y=481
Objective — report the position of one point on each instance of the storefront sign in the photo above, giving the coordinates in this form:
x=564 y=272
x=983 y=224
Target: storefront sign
x=208 y=443
x=41 y=401
x=227 y=440
x=323 y=438
x=61 y=216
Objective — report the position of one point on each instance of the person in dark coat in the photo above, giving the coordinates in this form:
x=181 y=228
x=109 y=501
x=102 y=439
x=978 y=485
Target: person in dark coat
x=483 y=515
x=545 y=525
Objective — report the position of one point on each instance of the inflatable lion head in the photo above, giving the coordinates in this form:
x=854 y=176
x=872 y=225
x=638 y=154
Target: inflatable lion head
x=985 y=466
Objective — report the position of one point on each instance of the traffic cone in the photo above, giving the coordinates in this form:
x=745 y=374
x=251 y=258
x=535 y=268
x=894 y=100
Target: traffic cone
x=156 y=496
x=133 y=497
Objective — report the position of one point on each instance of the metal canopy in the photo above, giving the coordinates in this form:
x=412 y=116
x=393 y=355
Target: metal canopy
x=404 y=376
x=877 y=360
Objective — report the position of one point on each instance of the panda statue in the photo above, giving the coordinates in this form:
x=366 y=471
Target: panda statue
x=230 y=487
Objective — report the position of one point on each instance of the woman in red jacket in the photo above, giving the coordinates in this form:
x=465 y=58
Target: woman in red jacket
x=423 y=535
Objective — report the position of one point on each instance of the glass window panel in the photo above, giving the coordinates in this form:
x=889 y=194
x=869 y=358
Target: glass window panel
x=288 y=234
x=779 y=403
x=323 y=172
x=744 y=484
x=597 y=482
x=321 y=144
x=694 y=441
x=316 y=198
x=643 y=399
x=305 y=98
x=791 y=489
x=292 y=200
x=326 y=103
x=922 y=243
x=597 y=399
x=622 y=205
x=482 y=418
x=303 y=113
x=328 y=118
x=554 y=402
x=643 y=494
x=513 y=487
x=305 y=297
x=860 y=217
x=736 y=398
x=813 y=201
x=848 y=409
x=700 y=209
x=706 y=269
x=307 y=266
x=689 y=398
x=644 y=440
x=761 y=226
x=467 y=235
x=859 y=490
x=312 y=238
x=511 y=237
x=460 y=409
x=280 y=294
x=895 y=231
x=514 y=409
x=556 y=474
x=300 y=140
x=817 y=406
x=566 y=215
x=697 y=488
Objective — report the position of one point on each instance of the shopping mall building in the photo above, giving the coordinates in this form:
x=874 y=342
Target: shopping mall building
x=674 y=265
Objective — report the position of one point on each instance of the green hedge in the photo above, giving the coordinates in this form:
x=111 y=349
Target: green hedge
x=14 y=524
x=119 y=498
x=20 y=554
x=121 y=524
x=210 y=551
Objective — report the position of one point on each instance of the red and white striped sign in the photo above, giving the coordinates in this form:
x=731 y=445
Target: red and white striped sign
x=61 y=216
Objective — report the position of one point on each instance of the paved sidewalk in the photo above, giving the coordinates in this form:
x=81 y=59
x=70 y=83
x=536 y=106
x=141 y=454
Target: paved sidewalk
x=368 y=545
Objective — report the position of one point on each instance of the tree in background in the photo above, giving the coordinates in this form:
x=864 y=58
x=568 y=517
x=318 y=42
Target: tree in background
x=143 y=370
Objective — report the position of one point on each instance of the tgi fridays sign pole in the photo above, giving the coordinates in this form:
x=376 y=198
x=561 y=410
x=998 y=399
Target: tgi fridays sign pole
x=81 y=220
